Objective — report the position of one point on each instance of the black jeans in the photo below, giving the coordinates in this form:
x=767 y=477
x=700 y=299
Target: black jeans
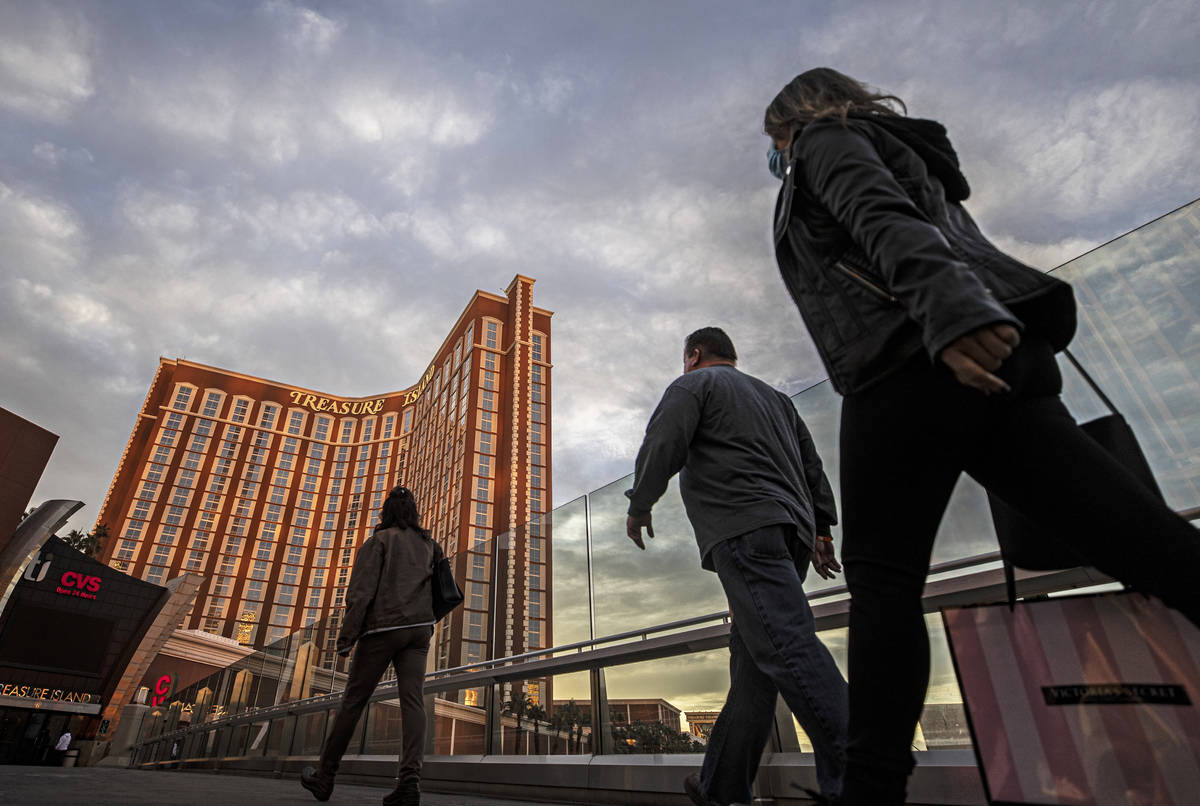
x=406 y=649
x=773 y=649
x=903 y=445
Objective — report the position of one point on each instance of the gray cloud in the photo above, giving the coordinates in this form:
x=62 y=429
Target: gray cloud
x=311 y=192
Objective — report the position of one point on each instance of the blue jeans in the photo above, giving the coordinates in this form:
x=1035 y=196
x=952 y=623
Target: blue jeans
x=773 y=649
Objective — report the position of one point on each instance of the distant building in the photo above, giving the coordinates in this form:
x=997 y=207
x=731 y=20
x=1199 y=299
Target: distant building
x=267 y=489
x=628 y=712
x=700 y=723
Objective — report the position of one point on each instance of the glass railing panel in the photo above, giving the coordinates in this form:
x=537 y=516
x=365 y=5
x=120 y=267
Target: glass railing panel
x=544 y=715
x=1139 y=337
x=649 y=702
x=943 y=722
x=664 y=583
x=565 y=547
x=459 y=722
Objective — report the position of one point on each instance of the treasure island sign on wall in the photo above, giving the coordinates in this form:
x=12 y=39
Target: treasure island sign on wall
x=318 y=403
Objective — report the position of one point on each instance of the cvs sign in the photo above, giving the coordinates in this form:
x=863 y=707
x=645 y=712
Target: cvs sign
x=75 y=583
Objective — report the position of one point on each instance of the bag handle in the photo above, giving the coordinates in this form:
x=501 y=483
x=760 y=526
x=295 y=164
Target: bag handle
x=1091 y=382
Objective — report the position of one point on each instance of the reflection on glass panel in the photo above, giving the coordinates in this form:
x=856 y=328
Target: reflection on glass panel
x=545 y=716
x=664 y=583
x=649 y=702
x=566 y=551
x=459 y=723
x=1139 y=337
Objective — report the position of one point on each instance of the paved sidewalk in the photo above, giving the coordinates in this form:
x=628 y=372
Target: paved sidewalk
x=106 y=786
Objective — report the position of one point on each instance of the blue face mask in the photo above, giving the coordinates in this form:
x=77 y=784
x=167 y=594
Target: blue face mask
x=777 y=162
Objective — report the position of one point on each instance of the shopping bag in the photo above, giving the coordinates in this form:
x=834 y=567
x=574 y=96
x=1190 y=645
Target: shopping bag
x=1028 y=545
x=1081 y=699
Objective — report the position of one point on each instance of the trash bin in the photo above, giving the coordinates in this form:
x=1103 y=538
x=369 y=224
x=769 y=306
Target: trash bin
x=70 y=757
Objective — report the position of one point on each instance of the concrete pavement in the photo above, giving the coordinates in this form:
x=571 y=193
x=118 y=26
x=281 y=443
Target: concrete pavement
x=106 y=786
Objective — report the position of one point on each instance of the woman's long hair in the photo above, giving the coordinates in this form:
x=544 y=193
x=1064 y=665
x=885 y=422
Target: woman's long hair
x=400 y=511
x=823 y=92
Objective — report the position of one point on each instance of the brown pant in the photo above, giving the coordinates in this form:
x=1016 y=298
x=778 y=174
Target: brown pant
x=405 y=649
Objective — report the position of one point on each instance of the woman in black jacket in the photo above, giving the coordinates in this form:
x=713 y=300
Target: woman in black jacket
x=389 y=615
x=943 y=348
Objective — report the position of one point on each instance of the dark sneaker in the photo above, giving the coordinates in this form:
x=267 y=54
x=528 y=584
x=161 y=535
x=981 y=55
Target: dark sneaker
x=320 y=784
x=406 y=793
x=691 y=785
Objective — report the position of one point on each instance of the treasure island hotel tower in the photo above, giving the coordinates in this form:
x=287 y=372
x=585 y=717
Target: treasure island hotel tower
x=267 y=489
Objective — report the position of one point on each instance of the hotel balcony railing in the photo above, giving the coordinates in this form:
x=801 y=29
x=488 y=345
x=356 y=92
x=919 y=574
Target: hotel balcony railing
x=627 y=641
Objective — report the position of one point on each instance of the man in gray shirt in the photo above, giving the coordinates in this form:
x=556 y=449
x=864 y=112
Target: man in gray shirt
x=761 y=508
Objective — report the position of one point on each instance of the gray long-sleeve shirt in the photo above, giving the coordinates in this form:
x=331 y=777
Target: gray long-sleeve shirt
x=745 y=459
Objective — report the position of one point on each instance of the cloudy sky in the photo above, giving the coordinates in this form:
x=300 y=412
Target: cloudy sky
x=311 y=193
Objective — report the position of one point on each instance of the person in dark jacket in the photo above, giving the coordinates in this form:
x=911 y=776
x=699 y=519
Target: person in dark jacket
x=389 y=617
x=761 y=507
x=943 y=348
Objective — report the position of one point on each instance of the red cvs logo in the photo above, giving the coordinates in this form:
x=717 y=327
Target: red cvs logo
x=73 y=583
x=162 y=690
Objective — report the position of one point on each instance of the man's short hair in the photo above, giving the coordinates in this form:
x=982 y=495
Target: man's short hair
x=713 y=343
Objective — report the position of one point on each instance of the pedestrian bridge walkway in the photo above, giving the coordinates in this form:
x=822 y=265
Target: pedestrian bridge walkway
x=104 y=786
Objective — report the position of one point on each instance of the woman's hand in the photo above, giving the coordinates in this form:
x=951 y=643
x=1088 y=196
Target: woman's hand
x=974 y=357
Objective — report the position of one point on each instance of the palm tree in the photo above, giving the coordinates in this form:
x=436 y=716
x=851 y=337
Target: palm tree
x=517 y=706
x=537 y=714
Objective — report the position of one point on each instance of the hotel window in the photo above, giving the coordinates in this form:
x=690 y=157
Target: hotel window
x=538 y=342
x=538 y=412
x=195 y=561
x=254 y=590
x=535 y=432
x=174 y=516
x=154 y=574
x=141 y=510
x=233 y=545
x=295 y=556
x=295 y=423
x=368 y=430
x=212 y=404
x=322 y=558
x=535 y=501
x=213 y=499
x=408 y=420
x=282 y=614
x=192 y=460
x=183 y=396
x=248 y=489
x=199 y=444
x=482 y=491
x=133 y=529
x=486 y=421
x=199 y=541
x=127 y=550
x=148 y=490
x=347 y=430
x=203 y=427
x=262 y=440
x=162 y=455
x=492 y=334
x=274 y=513
x=476 y=596
x=240 y=408
x=489 y=362
x=485 y=465
x=285 y=594
x=222 y=586
x=237 y=526
x=162 y=555
x=535 y=549
x=389 y=426
x=485 y=442
x=155 y=472
x=458 y=353
x=306 y=498
x=269 y=532
x=278 y=495
x=267 y=418
x=481 y=514
x=286 y=460
x=469 y=337
x=167 y=437
x=290 y=445
x=475 y=626
x=487 y=401
x=535 y=454
x=321 y=430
